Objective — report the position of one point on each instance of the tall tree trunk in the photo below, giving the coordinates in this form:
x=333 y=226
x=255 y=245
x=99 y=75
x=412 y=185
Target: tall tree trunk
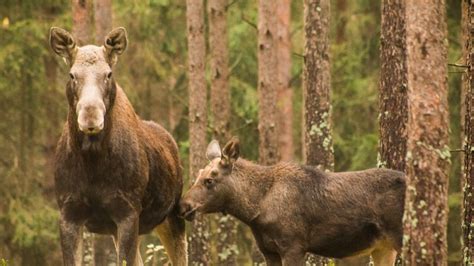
x=393 y=97
x=285 y=93
x=220 y=110
x=428 y=156
x=267 y=91
x=468 y=203
x=104 y=248
x=82 y=29
x=82 y=19
x=267 y=83
x=393 y=93
x=318 y=148
x=199 y=251
x=103 y=19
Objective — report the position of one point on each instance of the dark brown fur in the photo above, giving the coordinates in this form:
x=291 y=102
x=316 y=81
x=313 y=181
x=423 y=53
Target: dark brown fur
x=295 y=209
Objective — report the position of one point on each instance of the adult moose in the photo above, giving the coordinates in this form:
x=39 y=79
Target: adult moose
x=294 y=209
x=114 y=173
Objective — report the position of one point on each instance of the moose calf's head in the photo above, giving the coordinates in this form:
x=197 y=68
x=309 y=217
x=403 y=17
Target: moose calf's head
x=214 y=183
x=91 y=89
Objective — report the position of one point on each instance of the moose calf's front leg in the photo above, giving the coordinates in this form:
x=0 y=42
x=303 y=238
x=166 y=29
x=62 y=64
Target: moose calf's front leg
x=127 y=239
x=71 y=240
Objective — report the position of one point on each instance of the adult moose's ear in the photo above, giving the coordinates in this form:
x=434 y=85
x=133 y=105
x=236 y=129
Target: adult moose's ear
x=213 y=150
x=62 y=43
x=231 y=152
x=115 y=44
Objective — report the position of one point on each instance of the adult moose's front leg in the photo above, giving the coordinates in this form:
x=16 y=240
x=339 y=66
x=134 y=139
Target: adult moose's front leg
x=127 y=239
x=293 y=258
x=71 y=240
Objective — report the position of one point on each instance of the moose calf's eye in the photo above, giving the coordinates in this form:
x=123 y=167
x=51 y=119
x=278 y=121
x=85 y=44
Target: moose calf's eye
x=72 y=76
x=209 y=182
x=109 y=75
x=214 y=173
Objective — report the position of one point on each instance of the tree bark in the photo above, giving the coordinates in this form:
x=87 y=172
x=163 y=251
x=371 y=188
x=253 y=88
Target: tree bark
x=220 y=110
x=428 y=155
x=318 y=148
x=393 y=97
x=82 y=16
x=103 y=19
x=267 y=83
x=468 y=203
x=199 y=251
x=285 y=93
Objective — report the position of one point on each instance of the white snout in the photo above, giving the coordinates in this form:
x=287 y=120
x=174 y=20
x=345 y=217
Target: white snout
x=90 y=116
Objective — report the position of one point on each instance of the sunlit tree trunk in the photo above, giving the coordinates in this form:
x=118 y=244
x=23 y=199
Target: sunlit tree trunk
x=428 y=155
x=267 y=83
x=468 y=203
x=220 y=110
x=318 y=148
x=103 y=19
x=83 y=32
x=82 y=21
x=285 y=93
x=199 y=251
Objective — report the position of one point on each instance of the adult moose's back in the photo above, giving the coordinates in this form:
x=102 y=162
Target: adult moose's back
x=114 y=173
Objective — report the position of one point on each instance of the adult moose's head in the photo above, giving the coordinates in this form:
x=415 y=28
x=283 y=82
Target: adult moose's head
x=91 y=89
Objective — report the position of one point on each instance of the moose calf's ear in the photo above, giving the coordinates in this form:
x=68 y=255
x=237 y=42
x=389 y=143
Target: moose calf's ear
x=213 y=150
x=231 y=151
x=62 y=43
x=115 y=44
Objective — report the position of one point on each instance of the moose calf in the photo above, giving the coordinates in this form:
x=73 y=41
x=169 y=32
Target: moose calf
x=294 y=209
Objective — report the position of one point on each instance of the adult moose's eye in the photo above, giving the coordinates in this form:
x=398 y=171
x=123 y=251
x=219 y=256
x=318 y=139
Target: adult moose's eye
x=209 y=182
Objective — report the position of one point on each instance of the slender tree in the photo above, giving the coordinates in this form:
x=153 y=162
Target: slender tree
x=82 y=21
x=428 y=154
x=104 y=251
x=285 y=93
x=220 y=110
x=199 y=251
x=83 y=31
x=468 y=203
x=393 y=95
x=267 y=83
x=318 y=148
x=103 y=19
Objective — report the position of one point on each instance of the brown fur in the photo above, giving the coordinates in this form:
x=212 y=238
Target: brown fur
x=123 y=181
x=295 y=209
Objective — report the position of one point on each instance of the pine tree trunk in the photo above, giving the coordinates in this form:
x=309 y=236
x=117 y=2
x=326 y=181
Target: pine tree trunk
x=267 y=92
x=220 y=110
x=199 y=251
x=82 y=30
x=82 y=16
x=285 y=93
x=468 y=203
x=428 y=155
x=267 y=83
x=318 y=148
x=393 y=97
x=103 y=19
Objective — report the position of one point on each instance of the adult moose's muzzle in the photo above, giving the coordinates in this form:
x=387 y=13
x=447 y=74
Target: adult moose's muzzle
x=90 y=115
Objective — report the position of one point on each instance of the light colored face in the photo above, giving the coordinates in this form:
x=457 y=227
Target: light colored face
x=90 y=87
x=90 y=80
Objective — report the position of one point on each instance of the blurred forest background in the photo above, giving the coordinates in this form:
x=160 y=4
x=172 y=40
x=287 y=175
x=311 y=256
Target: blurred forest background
x=153 y=72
